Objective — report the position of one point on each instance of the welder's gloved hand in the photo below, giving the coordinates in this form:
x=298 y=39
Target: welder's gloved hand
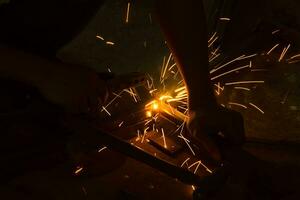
x=204 y=124
x=76 y=89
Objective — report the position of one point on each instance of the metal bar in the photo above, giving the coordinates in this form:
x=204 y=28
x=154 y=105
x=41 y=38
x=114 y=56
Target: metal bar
x=139 y=154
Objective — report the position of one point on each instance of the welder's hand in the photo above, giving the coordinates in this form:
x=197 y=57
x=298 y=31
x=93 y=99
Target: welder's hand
x=215 y=120
x=76 y=89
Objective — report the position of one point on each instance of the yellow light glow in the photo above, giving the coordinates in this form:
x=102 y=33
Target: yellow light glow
x=155 y=106
x=148 y=113
x=163 y=97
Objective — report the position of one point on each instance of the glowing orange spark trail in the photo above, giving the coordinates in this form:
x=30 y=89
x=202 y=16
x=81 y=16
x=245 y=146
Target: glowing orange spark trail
x=276 y=31
x=103 y=148
x=257 y=108
x=99 y=37
x=225 y=19
x=219 y=86
x=272 y=49
x=295 y=56
x=121 y=124
x=180 y=89
x=116 y=96
x=284 y=51
x=250 y=56
x=145 y=132
x=172 y=66
x=214 y=57
x=106 y=110
x=166 y=67
x=226 y=64
x=212 y=42
x=127 y=12
x=185 y=162
x=187 y=143
x=244 y=82
x=195 y=163
x=212 y=37
x=110 y=43
x=237 y=104
x=242 y=88
x=229 y=72
x=164 y=138
x=138 y=135
x=78 y=170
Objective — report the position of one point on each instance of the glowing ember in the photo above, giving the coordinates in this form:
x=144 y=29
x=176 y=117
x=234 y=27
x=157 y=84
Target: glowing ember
x=148 y=114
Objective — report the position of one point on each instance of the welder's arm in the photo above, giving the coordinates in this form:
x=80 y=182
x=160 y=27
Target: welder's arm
x=184 y=26
x=77 y=89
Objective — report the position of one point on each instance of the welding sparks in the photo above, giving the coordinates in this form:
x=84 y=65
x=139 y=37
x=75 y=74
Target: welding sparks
x=196 y=163
x=242 y=88
x=127 y=12
x=162 y=68
x=132 y=93
x=121 y=124
x=276 y=31
x=237 y=104
x=225 y=19
x=212 y=42
x=257 y=108
x=144 y=134
x=214 y=57
x=172 y=66
x=231 y=71
x=187 y=143
x=117 y=95
x=272 y=49
x=174 y=100
x=148 y=114
x=164 y=138
x=180 y=89
x=295 y=56
x=106 y=110
x=110 y=43
x=284 y=51
x=78 y=170
x=138 y=137
x=226 y=64
x=99 y=37
x=165 y=67
x=155 y=106
x=212 y=37
x=219 y=88
x=259 y=70
x=185 y=162
x=152 y=91
x=102 y=149
x=244 y=82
